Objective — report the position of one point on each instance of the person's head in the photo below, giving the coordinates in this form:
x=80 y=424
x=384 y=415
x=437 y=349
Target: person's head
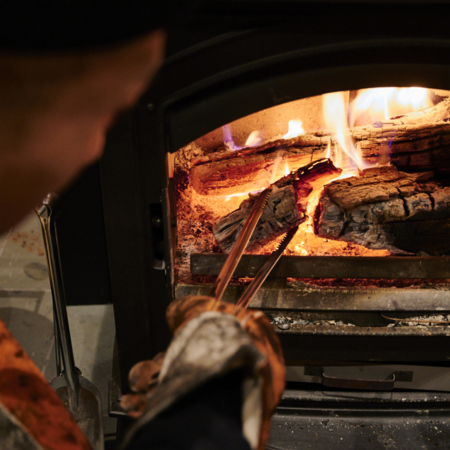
x=60 y=90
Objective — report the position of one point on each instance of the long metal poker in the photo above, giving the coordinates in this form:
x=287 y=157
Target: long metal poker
x=267 y=267
x=239 y=246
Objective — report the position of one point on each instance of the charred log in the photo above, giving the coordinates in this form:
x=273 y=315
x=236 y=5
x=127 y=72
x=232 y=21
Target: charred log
x=387 y=209
x=415 y=142
x=285 y=209
x=412 y=148
x=253 y=169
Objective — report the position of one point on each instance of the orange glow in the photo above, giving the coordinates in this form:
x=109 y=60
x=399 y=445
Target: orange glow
x=328 y=154
x=287 y=171
x=312 y=203
x=243 y=196
x=275 y=173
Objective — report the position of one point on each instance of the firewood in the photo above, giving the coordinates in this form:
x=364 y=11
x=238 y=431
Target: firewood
x=418 y=141
x=411 y=147
x=415 y=142
x=387 y=209
x=285 y=209
x=252 y=169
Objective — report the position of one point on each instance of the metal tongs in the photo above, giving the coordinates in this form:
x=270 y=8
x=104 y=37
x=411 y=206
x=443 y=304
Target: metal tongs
x=238 y=250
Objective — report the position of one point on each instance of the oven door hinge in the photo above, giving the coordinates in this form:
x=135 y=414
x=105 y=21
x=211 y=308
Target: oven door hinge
x=163 y=232
x=157 y=233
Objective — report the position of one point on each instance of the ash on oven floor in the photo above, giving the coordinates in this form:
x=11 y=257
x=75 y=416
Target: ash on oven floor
x=295 y=319
x=285 y=322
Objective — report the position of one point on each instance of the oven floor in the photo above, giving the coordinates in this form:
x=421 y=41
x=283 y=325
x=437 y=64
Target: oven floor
x=324 y=433
x=26 y=308
x=322 y=420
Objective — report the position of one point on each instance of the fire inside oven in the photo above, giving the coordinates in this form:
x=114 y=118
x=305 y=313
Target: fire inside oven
x=373 y=208
x=238 y=71
x=365 y=280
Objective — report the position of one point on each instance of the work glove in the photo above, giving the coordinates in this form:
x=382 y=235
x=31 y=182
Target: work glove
x=211 y=339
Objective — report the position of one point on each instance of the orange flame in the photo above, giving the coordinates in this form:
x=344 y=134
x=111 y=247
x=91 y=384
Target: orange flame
x=254 y=139
x=295 y=128
x=345 y=153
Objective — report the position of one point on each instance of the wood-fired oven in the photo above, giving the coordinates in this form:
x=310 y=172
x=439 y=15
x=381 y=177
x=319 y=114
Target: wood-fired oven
x=239 y=66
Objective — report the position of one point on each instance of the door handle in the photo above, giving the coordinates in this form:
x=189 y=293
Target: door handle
x=359 y=384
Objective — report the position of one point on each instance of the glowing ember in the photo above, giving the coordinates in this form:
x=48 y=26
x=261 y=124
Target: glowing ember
x=242 y=196
x=274 y=169
x=328 y=153
x=295 y=129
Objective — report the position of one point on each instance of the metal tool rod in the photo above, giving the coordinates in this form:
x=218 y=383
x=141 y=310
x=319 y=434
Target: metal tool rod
x=363 y=267
x=62 y=336
x=240 y=244
x=265 y=270
x=57 y=343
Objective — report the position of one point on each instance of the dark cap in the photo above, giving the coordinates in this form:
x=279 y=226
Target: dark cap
x=56 y=25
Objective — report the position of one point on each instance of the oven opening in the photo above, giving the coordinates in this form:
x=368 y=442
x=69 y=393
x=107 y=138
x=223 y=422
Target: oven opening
x=368 y=285
x=365 y=176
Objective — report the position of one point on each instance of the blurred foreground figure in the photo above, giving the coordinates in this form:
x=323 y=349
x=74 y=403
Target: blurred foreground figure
x=65 y=73
x=55 y=111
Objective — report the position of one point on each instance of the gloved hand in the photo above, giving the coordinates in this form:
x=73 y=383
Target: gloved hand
x=142 y=378
x=211 y=339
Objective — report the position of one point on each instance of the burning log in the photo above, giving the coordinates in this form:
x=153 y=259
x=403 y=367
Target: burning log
x=387 y=209
x=285 y=209
x=418 y=141
x=252 y=169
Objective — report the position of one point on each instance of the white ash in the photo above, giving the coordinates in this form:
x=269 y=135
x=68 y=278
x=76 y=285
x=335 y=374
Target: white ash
x=185 y=155
x=284 y=322
x=337 y=323
x=420 y=321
